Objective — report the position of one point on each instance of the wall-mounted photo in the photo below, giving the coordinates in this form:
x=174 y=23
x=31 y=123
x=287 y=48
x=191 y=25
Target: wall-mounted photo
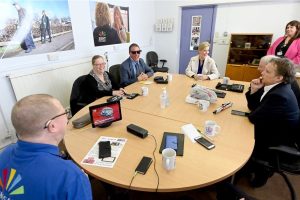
x=195 y=32
x=30 y=27
x=110 y=23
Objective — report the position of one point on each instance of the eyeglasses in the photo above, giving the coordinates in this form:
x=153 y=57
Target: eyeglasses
x=50 y=120
x=136 y=52
x=100 y=64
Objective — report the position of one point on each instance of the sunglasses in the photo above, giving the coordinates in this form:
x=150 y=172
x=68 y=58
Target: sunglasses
x=136 y=52
x=50 y=120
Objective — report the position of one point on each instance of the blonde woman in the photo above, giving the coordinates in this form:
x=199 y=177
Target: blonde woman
x=202 y=67
x=104 y=34
x=118 y=24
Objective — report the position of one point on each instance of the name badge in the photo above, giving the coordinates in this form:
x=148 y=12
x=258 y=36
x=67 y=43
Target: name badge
x=279 y=53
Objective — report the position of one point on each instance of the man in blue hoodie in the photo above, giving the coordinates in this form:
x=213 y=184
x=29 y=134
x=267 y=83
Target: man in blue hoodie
x=32 y=168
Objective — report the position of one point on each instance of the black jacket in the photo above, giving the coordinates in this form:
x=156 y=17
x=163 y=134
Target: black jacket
x=105 y=35
x=89 y=90
x=275 y=118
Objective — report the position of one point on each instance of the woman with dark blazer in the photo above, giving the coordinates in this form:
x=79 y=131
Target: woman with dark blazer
x=98 y=83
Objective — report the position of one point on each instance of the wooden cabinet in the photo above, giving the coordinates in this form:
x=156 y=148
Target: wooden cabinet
x=242 y=72
x=245 y=51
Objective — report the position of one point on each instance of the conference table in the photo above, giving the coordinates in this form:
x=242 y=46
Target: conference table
x=198 y=167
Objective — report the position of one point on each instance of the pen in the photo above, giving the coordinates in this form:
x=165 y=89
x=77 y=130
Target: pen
x=223 y=107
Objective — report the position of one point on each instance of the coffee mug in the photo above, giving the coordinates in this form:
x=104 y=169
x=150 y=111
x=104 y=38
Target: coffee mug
x=170 y=77
x=211 y=128
x=169 y=158
x=226 y=80
x=203 y=105
x=145 y=91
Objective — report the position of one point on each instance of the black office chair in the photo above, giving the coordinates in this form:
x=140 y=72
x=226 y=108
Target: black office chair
x=75 y=97
x=114 y=72
x=286 y=160
x=152 y=61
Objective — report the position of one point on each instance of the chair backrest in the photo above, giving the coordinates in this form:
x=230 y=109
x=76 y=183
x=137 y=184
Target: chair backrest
x=114 y=72
x=75 y=94
x=152 y=59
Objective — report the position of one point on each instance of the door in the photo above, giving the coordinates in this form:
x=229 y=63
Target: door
x=206 y=32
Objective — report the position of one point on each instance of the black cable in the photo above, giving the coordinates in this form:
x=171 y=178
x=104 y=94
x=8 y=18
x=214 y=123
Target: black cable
x=155 y=162
x=132 y=180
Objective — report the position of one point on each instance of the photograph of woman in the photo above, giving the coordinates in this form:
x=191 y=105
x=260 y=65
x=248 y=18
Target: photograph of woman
x=104 y=34
x=118 y=24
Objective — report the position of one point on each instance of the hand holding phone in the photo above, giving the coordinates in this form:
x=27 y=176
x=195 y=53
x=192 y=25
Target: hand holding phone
x=204 y=142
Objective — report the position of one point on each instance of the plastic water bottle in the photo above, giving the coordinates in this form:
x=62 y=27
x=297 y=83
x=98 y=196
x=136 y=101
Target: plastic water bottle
x=164 y=99
x=167 y=99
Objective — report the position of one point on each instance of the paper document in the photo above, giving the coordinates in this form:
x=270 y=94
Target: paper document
x=190 y=131
x=92 y=158
x=146 y=82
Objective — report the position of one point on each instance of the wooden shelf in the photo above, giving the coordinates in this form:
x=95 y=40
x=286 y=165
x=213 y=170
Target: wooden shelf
x=239 y=60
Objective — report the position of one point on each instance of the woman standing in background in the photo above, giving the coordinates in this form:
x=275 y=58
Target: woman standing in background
x=288 y=45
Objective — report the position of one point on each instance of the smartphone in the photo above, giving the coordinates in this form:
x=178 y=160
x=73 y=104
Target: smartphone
x=171 y=142
x=104 y=149
x=240 y=113
x=204 y=142
x=132 y=96
x=143 y=165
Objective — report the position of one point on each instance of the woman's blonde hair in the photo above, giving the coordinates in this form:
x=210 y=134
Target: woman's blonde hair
x=102 y=14
x=117 y=10
x=203 y=45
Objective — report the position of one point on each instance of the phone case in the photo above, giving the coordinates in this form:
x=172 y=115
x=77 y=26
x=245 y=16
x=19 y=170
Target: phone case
x=143 y=165
x=104 y=149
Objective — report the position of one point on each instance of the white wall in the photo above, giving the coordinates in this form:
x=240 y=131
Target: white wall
x=140 y=32
x=246 y=17
x=234 y=17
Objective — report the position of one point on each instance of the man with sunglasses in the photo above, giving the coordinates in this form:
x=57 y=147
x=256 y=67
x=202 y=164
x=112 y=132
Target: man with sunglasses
x=134 y=68
x=32 y=168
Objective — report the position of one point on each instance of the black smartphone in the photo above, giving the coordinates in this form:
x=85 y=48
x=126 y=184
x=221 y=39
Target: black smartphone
x=104 y=149
x=143 y=165
x=204 y=142
x=132 y=96
x=240 y=113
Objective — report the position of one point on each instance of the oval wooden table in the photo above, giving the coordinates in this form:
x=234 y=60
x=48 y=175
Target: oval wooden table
x=197 y=168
